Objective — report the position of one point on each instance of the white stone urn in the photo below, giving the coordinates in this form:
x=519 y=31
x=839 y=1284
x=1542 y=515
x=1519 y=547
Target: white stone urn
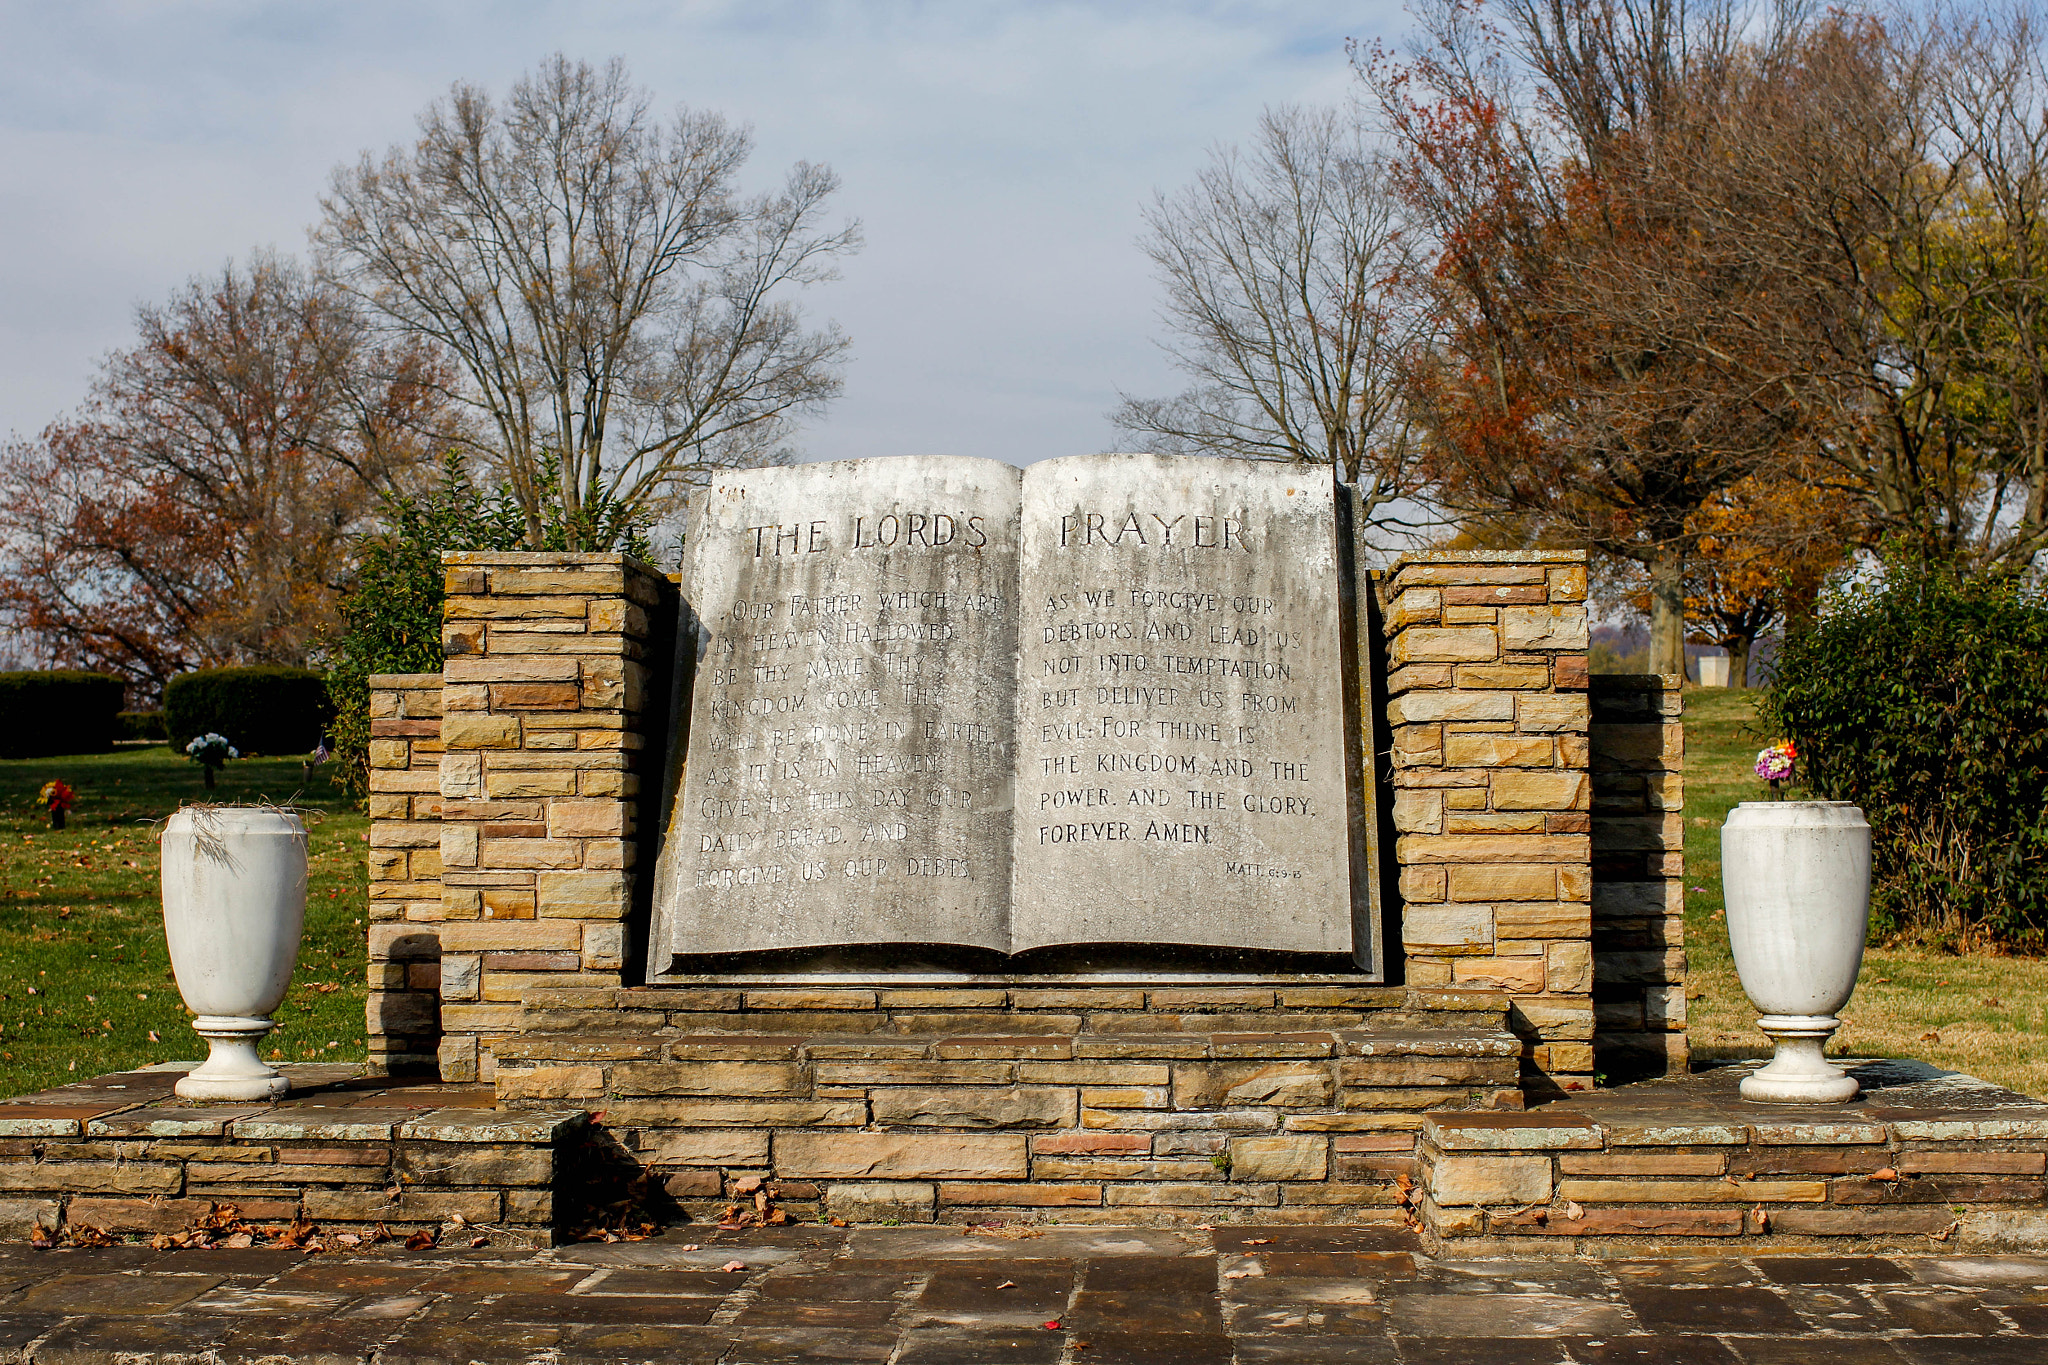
x=1796 y=877
x=234 y=906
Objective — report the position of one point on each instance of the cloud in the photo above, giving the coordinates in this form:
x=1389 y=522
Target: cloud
x=998 y=154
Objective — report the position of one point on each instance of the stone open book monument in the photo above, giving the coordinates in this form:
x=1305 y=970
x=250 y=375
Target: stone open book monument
x=1101 y=842
x=1103 y=700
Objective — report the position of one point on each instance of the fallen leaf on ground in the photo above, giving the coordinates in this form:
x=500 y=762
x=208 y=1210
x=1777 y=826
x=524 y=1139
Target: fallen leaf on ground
x=734 y=1266
x=1258 y=1241
x=1053 y=1326
x=1007 y=1284
x=1236 y=1274
x=1930 y=1037
x=1887 y=1173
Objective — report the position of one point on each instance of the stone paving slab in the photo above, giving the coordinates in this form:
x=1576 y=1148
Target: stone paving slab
x=1238 y=1295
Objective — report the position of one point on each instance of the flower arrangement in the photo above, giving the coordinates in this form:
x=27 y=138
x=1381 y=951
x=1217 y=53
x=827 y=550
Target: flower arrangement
x=1774 y=765
x=211 y=751
x=56 y=797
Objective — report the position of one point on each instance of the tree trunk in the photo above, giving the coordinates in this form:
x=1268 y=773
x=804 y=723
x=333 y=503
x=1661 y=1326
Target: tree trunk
x=1667 y=612
x=1738 y=660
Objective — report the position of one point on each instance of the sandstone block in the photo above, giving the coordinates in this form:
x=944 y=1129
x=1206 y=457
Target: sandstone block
x=479 y=730
x=1137 y=1144
x=732 y=1148
x=1568 y=967
x=586 y=819
x=93 y=1177
x=1279 y=1157
x=1496 y=848
x=1419 y=812
x=1095 y=1073
x=1497 y=751
x=979 y=1156
x=1174 y=1195
x=876 y=1201
x=1502 y=883
x=1634 y=1164
x=377 y=1206
x=1561 y=626
x=1467 y=1181
x=1444 y=644
x=1037 y=1195
x=1287 y=1085
x=724 y=1113
x=693 y=1184
x=581 y=894
x=1430 y=927
x=1693 y=1191
x=709 y=1078
x=975 y=1107
x=1545 y=791
x=110 y=1215
x=1519 y=974
x=551 y=1083
x=1459 y=704
x=1557 y=713
x=433 y=1164
x=1127 y=1097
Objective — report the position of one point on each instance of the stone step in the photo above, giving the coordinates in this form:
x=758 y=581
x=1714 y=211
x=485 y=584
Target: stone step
x=585 y=1046
x=1011 y=1009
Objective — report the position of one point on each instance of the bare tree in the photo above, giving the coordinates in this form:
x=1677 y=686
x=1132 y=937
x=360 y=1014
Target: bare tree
x=1281 y=266
x=613 y=301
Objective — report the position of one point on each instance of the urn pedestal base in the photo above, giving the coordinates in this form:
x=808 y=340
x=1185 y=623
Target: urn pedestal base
x=1798 y=1073
x=232 y=1069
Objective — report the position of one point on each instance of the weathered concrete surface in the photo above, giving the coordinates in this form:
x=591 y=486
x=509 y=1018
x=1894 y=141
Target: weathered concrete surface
x=849 y=741
x=942 y=700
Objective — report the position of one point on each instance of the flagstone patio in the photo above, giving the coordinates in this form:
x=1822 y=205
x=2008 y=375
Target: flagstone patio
x=1014 y=1296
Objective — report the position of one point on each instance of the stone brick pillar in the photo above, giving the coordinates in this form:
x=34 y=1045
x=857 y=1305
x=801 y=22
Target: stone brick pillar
x=1492 y=804
x=1638 y=875
x=404 y=1012
x=547 y=696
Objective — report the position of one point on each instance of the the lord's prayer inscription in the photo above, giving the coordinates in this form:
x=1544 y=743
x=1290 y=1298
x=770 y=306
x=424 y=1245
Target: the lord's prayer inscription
x=942 y=700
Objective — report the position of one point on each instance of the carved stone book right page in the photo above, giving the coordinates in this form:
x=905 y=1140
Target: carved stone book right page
x=1181 y=774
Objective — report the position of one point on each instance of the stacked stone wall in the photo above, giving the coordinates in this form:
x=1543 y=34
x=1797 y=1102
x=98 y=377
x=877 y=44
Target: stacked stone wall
x=1638 y=875
x=549 y=694
x=1492 y=800
x=1128 y=1103
x=404 y=1007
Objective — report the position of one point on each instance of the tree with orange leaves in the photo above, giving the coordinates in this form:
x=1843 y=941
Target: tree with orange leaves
x=199 y=510
x=1609 y=360
x=1765 y=549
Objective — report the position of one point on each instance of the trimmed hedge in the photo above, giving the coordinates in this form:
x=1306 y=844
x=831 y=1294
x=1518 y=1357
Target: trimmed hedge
x=58 y=711
x=264 y=710
x=141 y=725
x=1924 y=700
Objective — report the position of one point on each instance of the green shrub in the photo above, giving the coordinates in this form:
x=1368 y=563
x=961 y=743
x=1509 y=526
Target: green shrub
x=132 y=725
x=58 y=711
x=391 y=608
x=261 y=710
x=1924 y=700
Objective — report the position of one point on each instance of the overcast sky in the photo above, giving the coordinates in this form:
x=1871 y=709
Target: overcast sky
x=999 y=155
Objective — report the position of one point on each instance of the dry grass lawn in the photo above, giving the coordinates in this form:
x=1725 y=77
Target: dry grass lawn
x=1984 y=1015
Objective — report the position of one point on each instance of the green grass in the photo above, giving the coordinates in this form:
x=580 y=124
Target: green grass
x=84 y=975
x=1981 y=1014
x=81 y=924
